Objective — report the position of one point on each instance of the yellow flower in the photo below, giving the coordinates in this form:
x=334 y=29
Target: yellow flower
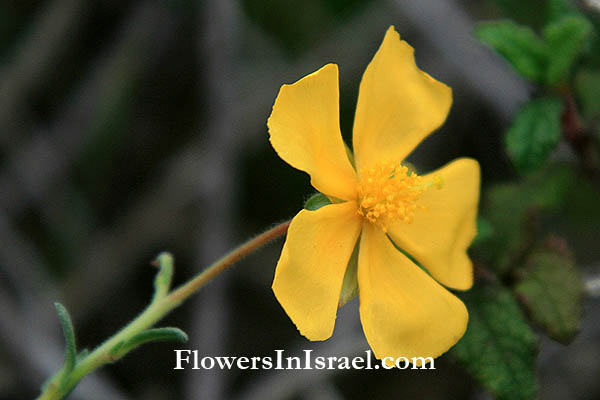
x=405 y=311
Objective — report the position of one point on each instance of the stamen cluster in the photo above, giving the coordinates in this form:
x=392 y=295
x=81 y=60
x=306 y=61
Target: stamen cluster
x=389 y=192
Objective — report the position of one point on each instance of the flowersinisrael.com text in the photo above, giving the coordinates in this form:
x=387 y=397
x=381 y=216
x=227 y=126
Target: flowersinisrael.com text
x=191 y=359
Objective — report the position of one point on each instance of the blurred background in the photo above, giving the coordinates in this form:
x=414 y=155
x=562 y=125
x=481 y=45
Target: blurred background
x=132 y=127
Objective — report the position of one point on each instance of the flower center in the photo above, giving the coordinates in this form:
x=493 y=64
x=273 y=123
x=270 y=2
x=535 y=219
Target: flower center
x=388 y=192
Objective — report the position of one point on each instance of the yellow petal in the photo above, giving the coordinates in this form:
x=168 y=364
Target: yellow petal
x=439 y=236
x=403 y=311
x=398 y=104
x=304 y=129
x=310 y=271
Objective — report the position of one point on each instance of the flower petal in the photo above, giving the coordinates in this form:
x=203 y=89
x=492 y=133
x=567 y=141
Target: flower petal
x=439 y=236
x=310 y=271
x=403 y=311
x=304 y=129
x=398 y=104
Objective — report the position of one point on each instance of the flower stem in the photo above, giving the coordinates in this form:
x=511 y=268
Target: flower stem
x=159 y=307
x=185 y=290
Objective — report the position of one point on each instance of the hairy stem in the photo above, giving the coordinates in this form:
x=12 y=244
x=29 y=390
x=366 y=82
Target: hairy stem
x=159 y=307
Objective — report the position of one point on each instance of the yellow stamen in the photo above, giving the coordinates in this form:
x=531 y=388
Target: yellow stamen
x=388 y=192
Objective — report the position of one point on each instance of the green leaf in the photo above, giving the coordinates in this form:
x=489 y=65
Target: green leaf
x=512 y=209
x=62 y=376
x=499 y=348
x=485 y=230
x=557 y=9
x=316 y=201
x=518 y=44
x=550 y=190
x=587 y=87
x=551 y=289
x=151 y=335
x=565 y=39
x=506 y=210
x=534 y=133
x=162 y=282
x=69 y=334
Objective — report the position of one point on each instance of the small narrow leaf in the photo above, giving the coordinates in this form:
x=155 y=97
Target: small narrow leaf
x=565 y=39
x=518 y=44
x=162 y=282
x=499 y=348
x=69 y=334
x=534 y=133
x=551 y=289
x=316 y=201
x=152 y=335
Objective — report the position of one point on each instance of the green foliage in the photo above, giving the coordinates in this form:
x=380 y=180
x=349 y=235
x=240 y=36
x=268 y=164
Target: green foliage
x=57 y=384
x=518 y=44
x=511 y=209
x=534 y=133
x=557 y=9
x=134 y=335
x=485 y=230
x=147 y=336
x=587 y=87
x=162 y=281
x=70 y=347
x=565 y=39
x=545 y=60
x=592 y=56
x=499 y=348
x=507 y=212
x=316 y=201
x=552 y=290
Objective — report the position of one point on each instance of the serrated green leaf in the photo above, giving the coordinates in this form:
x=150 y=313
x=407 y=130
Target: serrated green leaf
x=587 y=86
x=551 y=289
x=518 y=44
x=565 y=39
x=316 y=201
x=499 y=348
x=69 y=334
x=557 y=9
x=534 y=133
x=152 y=335
x=506 y=209
x=485 y=230
x=549 y=190
x=510 y=209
